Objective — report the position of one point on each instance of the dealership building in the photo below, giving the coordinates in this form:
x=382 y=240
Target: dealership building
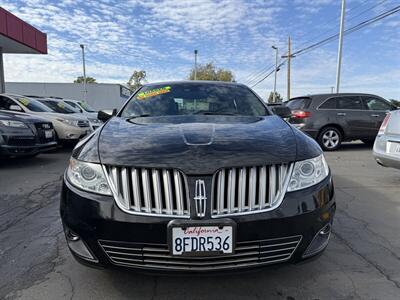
x=98 y=95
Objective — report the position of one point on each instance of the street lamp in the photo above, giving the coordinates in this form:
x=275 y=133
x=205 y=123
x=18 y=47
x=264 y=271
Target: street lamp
x=276 y=71
x=84 y=72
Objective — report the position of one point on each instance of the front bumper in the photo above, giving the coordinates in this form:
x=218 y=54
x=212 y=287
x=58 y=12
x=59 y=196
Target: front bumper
x=141 y=241
x=383 y=153
x=71 y=133
x=22 y=145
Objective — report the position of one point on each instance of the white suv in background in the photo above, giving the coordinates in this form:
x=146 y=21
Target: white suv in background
x=85 y=109
x=68 y=127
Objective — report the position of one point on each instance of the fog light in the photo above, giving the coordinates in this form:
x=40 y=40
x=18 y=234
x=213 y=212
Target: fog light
x=319 y=242
x=78 y=246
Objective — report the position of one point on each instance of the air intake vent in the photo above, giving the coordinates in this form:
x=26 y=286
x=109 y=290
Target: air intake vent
x=249 y=189
x=144 y=191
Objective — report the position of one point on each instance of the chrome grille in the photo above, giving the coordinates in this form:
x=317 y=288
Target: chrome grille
x=145 y=191
x=157 y=256
x=249 y=189
x=83 y=123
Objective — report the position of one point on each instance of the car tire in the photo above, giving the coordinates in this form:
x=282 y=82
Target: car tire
x=330 y=139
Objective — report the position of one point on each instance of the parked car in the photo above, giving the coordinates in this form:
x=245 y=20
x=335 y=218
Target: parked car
x=334 y=118
x=85 y=108
x=69 y=128
x=25 y=135
x=387 y=143
x=198 y=177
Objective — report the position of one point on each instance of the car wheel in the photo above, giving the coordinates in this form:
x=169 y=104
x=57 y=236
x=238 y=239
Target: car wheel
x=330 y=139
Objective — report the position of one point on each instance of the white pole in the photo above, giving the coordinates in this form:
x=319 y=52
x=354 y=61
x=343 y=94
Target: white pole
x=2 y=80
x=339 y=60
x=276 y=67
x=84 y=72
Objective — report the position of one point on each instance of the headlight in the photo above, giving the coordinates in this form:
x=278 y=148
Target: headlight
x=69 y=122
x=16 y=124
x=88 y=176
x=308 y=172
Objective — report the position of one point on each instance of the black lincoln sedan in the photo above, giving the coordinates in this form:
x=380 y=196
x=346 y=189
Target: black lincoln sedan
x=24 y=135
x=196 y=177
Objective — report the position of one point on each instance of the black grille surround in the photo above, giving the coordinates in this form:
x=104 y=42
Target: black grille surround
x=157 y=256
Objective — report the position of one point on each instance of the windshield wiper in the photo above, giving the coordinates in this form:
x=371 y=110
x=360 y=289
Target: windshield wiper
x=216 y=113
x=138 y=116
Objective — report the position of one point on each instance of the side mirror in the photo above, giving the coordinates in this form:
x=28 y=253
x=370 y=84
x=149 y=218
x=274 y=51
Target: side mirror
x=282 y=111
x=15 y=107
x=106 y=114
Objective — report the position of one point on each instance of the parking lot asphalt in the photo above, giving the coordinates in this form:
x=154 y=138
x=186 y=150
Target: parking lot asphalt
x=362 y=260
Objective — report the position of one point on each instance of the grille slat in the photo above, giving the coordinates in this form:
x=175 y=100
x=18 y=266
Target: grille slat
x=149 y=191
x=249 y=189
x=249 y=253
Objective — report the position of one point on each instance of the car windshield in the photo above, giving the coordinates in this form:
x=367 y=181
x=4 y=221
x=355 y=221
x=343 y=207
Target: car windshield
x=60 y=106
x=192 y=99
x=86 y=107
x=33 y=104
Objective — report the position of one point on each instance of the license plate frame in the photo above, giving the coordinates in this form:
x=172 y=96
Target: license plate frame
x=223 y=223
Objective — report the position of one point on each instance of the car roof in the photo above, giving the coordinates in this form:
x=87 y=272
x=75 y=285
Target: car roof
x=333 y=95
x=205 y=82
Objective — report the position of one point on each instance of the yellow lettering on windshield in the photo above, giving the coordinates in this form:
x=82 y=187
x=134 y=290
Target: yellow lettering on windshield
x=24 y=101
x=152 y=93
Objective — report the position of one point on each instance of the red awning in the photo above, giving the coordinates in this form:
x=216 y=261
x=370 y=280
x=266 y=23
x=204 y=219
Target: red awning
x=17 y=36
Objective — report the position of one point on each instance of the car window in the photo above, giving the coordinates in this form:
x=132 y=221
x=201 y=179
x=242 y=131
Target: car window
x=194 y=98
x=349 y=102
x=33 y=104
x=59 y=106
x=374 y=103
x=298 y=103
x=328 y=104
x=5 y=103
x=74 y=105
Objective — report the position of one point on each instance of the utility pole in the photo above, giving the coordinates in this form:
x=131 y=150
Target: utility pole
x=84 y=72
x=289 y=56
x=2 y=80
x=339 y=60
x=195 y=64
x=276 y=71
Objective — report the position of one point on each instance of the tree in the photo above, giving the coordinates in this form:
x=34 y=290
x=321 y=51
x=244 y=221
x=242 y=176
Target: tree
x=135 y=81
x=79 y=79
x=210 y=72
x=278 y=97
x=395 y=102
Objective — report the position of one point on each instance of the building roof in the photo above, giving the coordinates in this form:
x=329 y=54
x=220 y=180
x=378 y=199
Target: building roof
x=17 y=36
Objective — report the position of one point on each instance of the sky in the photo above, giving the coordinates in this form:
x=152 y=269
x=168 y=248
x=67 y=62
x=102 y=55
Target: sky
x=160 y=37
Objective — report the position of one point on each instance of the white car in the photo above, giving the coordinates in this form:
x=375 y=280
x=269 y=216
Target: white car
x=85 y=109
x=61 y=106
x=387 y=143
x=68 y=127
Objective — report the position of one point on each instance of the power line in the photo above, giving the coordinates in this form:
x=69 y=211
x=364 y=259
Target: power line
x=269 y=74
x=333 y=37
x=254 y=77
x=349 y=30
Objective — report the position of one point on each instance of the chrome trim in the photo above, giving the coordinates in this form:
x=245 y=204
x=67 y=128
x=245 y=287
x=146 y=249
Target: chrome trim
x=273 y=184
x=140 y=191
x=157 y=256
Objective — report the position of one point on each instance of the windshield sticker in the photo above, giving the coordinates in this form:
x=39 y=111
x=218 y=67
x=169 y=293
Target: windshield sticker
x=152 y=93
x=61 y=104
x=24 y=101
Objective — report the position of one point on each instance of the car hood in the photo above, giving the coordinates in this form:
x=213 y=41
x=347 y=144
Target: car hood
x=196 y=144
x=74 y=116
x=18 y=116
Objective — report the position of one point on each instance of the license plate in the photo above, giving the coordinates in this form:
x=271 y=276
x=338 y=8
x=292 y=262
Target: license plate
x=48 y=134
x=394 y=148
x=202 y=240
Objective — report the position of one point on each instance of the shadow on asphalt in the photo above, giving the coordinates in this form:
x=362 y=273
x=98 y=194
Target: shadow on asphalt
x=353 y=147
